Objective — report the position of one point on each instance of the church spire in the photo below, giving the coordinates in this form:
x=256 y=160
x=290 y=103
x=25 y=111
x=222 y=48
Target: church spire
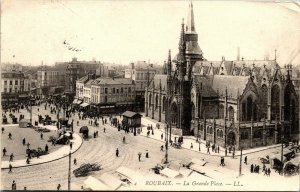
x=190 y=24
x=182 y=48
x=169 y=64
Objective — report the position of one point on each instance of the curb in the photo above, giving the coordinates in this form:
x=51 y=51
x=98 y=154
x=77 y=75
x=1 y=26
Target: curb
x=27 y=165
x=189 y=137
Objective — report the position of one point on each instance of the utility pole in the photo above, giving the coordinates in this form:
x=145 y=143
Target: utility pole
x=241 y=157
x=69 y=173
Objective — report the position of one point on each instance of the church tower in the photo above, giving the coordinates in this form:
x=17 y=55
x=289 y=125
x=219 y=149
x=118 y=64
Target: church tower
x=193 y=51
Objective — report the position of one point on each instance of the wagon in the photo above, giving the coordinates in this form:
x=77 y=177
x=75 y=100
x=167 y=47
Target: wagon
x=85 y=169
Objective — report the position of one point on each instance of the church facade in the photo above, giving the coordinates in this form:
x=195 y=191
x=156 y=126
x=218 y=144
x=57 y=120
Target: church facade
x=238 y=103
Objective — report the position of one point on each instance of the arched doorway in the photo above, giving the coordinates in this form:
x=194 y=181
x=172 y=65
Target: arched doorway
x=231 y=139
x=231 y=113
x=275 y=104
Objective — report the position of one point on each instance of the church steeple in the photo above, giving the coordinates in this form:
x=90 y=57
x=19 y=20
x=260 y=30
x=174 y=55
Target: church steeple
x=182 y=48
x=169 y=63
x=190 y=24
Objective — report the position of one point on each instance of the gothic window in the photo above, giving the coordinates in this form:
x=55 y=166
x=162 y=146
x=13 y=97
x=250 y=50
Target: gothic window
x=249 y=109
x=231 y=113
x=221 y=133
x=150 y=97
x=156 y=101
x=164 y=103
x=275 y=102
x=264 y=100
x=221 y=111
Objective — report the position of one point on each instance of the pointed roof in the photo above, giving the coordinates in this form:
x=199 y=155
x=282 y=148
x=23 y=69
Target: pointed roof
x=190 y=24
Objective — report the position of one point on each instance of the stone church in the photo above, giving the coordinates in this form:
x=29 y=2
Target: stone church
x=237 y=103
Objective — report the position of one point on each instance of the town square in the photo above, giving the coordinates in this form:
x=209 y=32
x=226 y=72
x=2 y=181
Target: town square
x=187 y=123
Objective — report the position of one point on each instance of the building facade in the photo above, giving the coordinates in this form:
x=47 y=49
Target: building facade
x=106 y=95
x=230 y=103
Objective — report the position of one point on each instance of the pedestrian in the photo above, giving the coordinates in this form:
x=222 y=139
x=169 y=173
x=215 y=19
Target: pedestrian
x=4 y=152
x=77 y=123
x=46 y=148
x=75 y=161
x=9 y=135
x=104 y=129
x=258 y=169
x=14 y=186
x=147 y=154
x=191 y=146
x=27 y=160
x=10 y=168
x=58 y=187
x=42 y=136
x=11 y=158
x=28 y=145
x=232 y=154
x=38 y=110
x=152 y=132
x=245 y=161
x=140 y=154
x=117 y=152
x=208 y=150
x=24 y=141
x=2 y=129
x=71 y=145
x=94 y=134
x=162 y=136
x=162 y=148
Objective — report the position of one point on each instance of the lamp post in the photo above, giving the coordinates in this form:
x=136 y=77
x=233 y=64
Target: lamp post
x=69 y=172
x=241 y=157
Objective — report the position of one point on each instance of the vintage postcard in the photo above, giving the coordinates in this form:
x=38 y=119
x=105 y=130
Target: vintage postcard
x=150 y=95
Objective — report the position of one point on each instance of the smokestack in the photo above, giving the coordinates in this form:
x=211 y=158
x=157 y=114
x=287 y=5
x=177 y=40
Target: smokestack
x=238 y=54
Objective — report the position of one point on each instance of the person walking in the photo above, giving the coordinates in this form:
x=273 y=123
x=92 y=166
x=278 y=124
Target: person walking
x=245 y=161
x=104 y=129
x=14 y=185
x=10 y=168
x=191 y=146
x=233 y=154
x=11 y=158
x=218 y=149
x=24 y=141
x=147 y=154
x=124 y=140
x=71 y=145
x=46 y=148
x=28 y=145
x=75 y=161
x=9 y=135
x=162 y=148
x=162 y=136
x=4 y=152
x=2 y=130
x=27 y=160
x=117 y=152
x=42 y=136
x=58 y=187
x=140 y=155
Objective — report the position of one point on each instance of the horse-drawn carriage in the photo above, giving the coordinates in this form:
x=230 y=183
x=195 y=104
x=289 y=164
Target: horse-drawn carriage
x=177 y=145
x=36 y=152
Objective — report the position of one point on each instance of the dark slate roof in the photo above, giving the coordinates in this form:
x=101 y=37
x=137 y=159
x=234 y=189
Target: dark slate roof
x=207 y=90
x=111 y=81
x=131 y=114
x=159 y=78
x=83 y=79
x=234 y=84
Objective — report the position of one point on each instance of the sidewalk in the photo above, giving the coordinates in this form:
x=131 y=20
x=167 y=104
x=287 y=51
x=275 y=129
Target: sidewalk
x=58 y=154
x=189 y=141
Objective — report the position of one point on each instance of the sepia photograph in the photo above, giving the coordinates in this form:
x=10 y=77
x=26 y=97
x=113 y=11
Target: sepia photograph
x=164 y=95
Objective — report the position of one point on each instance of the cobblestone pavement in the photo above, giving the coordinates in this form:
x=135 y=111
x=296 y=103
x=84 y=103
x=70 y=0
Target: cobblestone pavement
x=102 y=150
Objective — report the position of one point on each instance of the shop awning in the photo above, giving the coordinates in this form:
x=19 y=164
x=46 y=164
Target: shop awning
x=84 y=104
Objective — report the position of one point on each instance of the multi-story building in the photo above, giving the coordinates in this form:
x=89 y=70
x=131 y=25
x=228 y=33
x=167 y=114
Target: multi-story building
x=230 y=103
x=106 y=94
x=14 y=85
x=77 y=69
x=48 y=78
x=141 y=75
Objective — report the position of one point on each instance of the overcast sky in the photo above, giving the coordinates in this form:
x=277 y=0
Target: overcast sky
x=126 y=31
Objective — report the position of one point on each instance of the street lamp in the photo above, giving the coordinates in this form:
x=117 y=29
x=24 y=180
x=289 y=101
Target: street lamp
x=69 y=172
